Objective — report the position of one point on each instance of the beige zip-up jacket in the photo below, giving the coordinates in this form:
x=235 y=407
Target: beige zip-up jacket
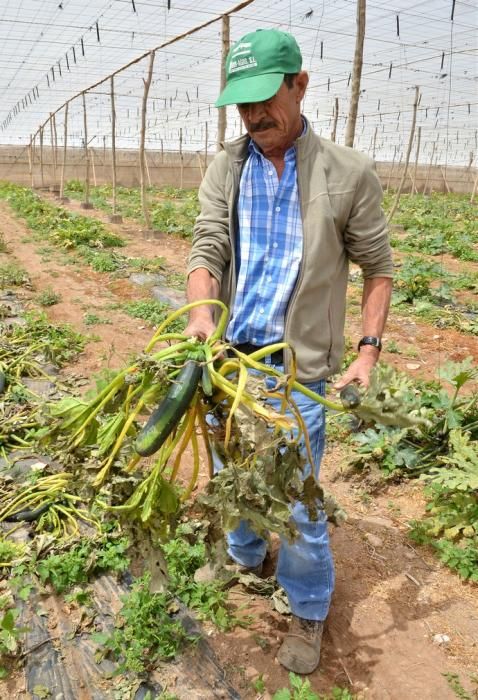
x=342 y=220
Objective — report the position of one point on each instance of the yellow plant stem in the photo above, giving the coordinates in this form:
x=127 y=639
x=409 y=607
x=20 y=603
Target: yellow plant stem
x=195 y=474
x=184 y=309
x=68 y=516
x=268 y=414
x=267 y=369
x=188 y=427
x=241 y=387
x=205 y=435
x=132 y=463
x=119 y=441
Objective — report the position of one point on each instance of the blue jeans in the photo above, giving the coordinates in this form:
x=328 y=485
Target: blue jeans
x=305 y=568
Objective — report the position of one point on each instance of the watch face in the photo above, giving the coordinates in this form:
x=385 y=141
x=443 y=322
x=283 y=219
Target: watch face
x=370 y=340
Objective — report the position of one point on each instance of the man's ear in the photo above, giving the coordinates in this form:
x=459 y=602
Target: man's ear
x=301 y=82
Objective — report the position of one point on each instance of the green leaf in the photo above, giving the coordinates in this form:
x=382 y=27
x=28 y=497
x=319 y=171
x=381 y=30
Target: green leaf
x=8 y=621
x=282 y=694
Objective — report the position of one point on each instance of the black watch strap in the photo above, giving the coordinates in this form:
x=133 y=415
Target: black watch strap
x=370 y=340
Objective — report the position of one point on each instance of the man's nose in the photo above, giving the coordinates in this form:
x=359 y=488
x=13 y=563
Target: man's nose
x=255 y=111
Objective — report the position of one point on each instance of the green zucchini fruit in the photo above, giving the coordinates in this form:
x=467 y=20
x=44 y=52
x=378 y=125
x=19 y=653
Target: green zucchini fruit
x=27 y=516
x=2 y=382
x=206 y=381
x=172 y=408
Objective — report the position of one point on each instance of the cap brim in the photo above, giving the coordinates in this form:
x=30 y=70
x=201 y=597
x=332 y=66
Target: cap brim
x=255 y=88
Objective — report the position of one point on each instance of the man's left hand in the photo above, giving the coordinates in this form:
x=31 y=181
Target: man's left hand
x=359 y=370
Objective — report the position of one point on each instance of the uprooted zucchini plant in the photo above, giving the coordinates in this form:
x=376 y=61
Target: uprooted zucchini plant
x=180 y=380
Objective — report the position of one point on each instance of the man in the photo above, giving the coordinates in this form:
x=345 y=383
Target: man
x=282 y=213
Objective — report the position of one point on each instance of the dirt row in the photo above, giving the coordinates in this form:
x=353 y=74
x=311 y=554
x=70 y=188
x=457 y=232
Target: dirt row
x=391 y=599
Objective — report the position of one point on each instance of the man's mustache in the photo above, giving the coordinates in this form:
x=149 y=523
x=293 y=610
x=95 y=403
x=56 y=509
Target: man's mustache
x=261 y=126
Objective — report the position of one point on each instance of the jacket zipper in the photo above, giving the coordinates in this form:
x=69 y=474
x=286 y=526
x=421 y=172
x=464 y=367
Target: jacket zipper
x=236 y=171
x=301 y=268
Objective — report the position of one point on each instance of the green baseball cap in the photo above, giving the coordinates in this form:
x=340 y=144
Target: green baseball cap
x=256 y=65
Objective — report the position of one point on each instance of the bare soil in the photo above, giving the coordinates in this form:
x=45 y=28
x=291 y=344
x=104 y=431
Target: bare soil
x=391 y=598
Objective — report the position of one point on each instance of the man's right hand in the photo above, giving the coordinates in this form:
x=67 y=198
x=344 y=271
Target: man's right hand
x=200 y=326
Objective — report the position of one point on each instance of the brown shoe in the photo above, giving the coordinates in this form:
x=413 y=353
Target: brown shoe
x=300 y=650
x=209 y=573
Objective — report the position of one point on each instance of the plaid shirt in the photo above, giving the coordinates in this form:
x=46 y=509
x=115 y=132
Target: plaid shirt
x=269 y=251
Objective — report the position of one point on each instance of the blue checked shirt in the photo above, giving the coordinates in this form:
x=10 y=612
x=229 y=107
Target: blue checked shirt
x=269 y=252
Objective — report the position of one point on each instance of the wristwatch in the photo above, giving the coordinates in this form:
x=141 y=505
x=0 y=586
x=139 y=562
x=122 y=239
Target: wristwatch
x=370 y=340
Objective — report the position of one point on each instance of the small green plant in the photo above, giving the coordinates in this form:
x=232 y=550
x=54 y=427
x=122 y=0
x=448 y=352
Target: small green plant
x=101 y=260
x=208 y=600
x=300 y=689
x=3 y=245
x=145 y=631
x=80 y=597
x=91 y=319
x=259 y=685
x=154 y=312
x=392 y=347
x=57 y=342
x=10 y=636
x=10 y=551
x=11 y=274
x=455 y=684
x=48 y=297
x=82 y=561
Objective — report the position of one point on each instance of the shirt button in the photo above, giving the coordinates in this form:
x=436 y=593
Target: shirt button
x=277 y=208
x=271 y=172
x=274 y=245
x=266 y=259
x=261 y=311
x=254 y=340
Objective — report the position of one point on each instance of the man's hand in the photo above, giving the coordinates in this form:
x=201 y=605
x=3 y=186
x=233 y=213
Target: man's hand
x=359 y=370
x=201 y=326
x=201 y=285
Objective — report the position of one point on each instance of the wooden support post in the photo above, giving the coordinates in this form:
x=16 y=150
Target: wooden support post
x=86 y=204
x=34 y=152
x=414 y=183
x=52 y=149
x=356 y=74
x=407 y=157
x=92 y=154
x=63 y=164
x=115 y=217
x=443 y=172
x=42 y=175
x=475 y=186
x=30 y=161
x=201 y=169
x=205 y=146
x=147 y=169
x=55 y=155
x=336 y=117
x=162 y=152
x=391 y=169
x=429 y=168
x=374 y=142
x=419 y=138
x=181 y=158
x=142 y=157
x=221 y=112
